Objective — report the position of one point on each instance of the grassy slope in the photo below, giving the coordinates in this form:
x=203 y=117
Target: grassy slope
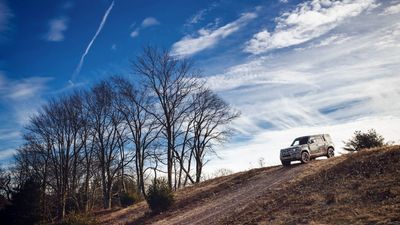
x=361 y=188
x=358 y=188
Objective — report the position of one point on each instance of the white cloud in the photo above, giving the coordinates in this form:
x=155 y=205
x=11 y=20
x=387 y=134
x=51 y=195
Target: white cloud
x=147 y=22
x=7 y=134
x=196 y=17
x=266 y=144
x=103 y=21
x=150 y=21
x=17 y=90
x=135 y=33
x=22 y=97
x=327 y=88
x=199 y=15
x=6 y=153
x=393 y=9
x=19 y=99
x=330 y=40
x=308 y=21
x=206 y=38
x=57 y=28
x=390 y=38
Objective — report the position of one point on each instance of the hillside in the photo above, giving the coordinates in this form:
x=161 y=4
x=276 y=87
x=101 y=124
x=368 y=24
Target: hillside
x=358 y=188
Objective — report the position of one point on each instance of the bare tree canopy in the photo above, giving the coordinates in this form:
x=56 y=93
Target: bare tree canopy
x=171 y=82
x=98 y=146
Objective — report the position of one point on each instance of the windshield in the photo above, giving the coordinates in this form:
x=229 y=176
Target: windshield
x=300 y=141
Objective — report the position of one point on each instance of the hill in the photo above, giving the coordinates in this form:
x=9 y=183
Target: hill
x=357 y=188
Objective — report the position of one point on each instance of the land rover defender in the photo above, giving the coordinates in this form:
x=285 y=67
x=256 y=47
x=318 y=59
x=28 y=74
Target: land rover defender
x=308 y=147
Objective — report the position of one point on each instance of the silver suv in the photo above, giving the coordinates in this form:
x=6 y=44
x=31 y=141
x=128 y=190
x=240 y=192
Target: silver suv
x=307 y=148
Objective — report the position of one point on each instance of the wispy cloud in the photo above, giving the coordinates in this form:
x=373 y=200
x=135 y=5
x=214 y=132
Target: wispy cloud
x=330 y=40
x=57 y=27
x=7 y=134
x=6 y=154
x=196 y=17
x=18 y=90
x=199 y=15
x=114 y=47
x=147 y=22
x=135 y=33
x=307 y=21
x=208 y=38
x=150 y=21
x=21 y=97
x=19 y=100
x=82 y=60
x=323 y=88
x=393 y=9
x=67 y=5
x=240 y=156
x=5 y=16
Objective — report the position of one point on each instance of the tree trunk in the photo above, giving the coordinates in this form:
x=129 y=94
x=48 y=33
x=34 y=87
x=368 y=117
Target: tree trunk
x=169 y=158
x=199 y=168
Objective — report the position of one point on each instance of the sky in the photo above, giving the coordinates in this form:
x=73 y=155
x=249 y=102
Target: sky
x=290 y=67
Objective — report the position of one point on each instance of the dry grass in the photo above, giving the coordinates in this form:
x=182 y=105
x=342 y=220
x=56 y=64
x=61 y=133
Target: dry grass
x=358 y=188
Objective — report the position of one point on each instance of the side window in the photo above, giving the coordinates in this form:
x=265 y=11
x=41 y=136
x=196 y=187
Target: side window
x=327 y=138
x=319 y=140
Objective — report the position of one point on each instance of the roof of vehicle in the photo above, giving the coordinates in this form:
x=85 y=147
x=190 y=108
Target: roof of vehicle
x=314 y=135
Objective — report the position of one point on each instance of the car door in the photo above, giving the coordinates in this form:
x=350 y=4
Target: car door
x=313 y=146
x=321 y=145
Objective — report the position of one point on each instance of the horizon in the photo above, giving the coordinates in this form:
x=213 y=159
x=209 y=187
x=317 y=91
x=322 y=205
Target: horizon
x=292 y=68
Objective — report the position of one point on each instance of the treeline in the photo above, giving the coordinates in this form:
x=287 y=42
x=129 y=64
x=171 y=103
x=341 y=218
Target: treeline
x=86 y=148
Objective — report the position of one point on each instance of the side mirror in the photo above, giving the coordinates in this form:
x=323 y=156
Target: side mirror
x=311 y=141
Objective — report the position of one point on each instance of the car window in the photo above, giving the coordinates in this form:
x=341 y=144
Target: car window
x=300 y=141
x=319 y=140
x=327 y=137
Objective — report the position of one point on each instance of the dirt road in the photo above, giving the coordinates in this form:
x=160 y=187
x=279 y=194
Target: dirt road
x=230 y=200
x=210 y=201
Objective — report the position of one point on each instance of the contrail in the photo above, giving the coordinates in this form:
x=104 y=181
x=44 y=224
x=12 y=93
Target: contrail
x=103 y=21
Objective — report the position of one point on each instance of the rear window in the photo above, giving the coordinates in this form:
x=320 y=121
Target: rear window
x=327 y=137
x=319 y=139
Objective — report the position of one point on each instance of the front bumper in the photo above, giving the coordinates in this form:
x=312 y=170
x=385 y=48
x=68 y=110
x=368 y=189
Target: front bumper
x=290 y=155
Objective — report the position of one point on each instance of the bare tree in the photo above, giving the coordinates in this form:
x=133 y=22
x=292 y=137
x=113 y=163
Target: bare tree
x=135 y=105
x=5 y=183
x=81 y=147
x=171 y=81
x=106 y=124
x=211 y=117
x=54 y=145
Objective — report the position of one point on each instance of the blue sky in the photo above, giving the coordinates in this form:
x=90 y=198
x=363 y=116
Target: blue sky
x=291 y=67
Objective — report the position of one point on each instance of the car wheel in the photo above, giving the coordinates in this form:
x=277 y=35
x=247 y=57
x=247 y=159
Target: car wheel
x=305 y=157
x=331 y=153
x=285 y=163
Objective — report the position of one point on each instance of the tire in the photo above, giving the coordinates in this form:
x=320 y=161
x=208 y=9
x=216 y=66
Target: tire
x=285 y=163
x=305 y=157
x=331 y=152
